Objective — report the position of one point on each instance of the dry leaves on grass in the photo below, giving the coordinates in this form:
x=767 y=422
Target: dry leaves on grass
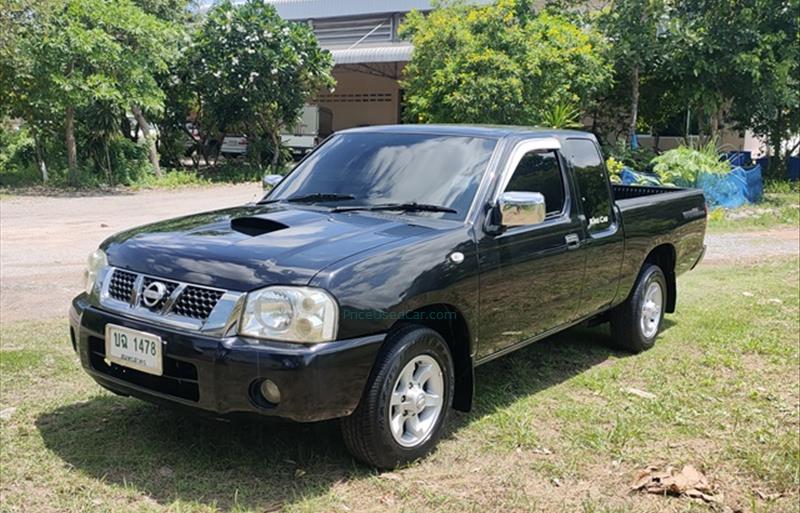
x=639 y=393
x=688 y=481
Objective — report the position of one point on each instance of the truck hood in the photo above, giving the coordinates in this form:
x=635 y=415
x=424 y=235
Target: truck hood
x=252 y=246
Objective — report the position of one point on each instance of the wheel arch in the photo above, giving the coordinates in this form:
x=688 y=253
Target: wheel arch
x=451 y=324
x=664 y=256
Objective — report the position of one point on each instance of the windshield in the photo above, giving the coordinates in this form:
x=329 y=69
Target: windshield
x=380 y=168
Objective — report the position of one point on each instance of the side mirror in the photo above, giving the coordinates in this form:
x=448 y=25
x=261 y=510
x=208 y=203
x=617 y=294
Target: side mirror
x=521 y=208
x=270 y=181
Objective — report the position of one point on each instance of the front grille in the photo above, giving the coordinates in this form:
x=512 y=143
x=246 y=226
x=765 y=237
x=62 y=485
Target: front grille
x=196 y=302
x=171 y=285
x=179 y=378
x=121 y=285
x=193 y=302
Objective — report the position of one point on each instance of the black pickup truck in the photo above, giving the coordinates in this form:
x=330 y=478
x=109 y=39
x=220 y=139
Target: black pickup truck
x=370 y=281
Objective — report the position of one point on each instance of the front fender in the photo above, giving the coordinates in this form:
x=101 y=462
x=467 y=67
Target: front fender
x=378 y=288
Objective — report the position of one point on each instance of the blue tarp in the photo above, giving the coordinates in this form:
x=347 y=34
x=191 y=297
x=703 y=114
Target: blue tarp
x=726 y=191
x=794 y=168
x=734 y=189
x=792 y=171
x=753 y=182
x=730 y=190
x=631 y=177
x=738 y=158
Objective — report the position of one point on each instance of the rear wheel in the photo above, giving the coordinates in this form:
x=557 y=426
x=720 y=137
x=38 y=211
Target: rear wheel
x=636 y=322
x=405 y=405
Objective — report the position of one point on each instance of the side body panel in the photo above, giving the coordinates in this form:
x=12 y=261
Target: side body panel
x=380 y=287
x=603 y=248
x=530 y=276
x=530 y=282
x=676 y=218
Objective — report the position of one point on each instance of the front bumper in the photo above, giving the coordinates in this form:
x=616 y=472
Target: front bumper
x=221 y=375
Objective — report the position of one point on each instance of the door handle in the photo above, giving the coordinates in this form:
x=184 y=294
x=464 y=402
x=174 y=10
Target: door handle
x=573 y=241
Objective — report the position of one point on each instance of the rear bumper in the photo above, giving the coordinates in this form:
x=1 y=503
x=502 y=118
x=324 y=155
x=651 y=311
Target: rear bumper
x=222 y=376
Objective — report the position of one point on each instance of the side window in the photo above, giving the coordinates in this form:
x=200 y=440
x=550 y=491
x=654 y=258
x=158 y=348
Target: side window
x=592 y=182
x=540 y=172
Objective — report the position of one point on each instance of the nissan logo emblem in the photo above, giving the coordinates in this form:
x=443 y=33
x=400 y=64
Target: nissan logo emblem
x=153 y=293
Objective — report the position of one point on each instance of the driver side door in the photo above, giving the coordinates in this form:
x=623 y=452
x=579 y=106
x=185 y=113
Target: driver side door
x=531 y=275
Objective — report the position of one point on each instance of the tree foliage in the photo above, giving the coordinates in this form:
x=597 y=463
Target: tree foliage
x=742 y=59
x=73 y=69
x=733 y=62
x=95 y=58
x=253 y=71
x=639 y=48
x=499 y=63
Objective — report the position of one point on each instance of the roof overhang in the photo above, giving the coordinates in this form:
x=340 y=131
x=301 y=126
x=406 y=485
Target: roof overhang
x=308 y=9
x=399 y=52
x=317 y=9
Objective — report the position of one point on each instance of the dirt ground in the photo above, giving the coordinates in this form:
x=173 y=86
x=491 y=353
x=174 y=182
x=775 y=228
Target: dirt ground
x=751 y=246
x=44 y=241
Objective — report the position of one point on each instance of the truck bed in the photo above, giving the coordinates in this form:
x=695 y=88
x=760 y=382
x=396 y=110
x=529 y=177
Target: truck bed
x=636 y=191
x=653 y=215
x=659 y=201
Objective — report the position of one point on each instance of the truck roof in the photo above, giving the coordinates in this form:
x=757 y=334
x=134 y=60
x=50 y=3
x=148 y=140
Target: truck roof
x=489 y=131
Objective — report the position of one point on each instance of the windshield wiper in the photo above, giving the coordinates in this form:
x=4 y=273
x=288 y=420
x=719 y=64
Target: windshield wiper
x=405 y=207
x=310 y=198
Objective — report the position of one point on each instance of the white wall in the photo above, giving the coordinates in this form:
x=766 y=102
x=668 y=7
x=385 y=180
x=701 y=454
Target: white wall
x=361 y=99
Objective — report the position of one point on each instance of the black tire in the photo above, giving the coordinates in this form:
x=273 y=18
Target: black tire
x=627 y=331
x=367 y=432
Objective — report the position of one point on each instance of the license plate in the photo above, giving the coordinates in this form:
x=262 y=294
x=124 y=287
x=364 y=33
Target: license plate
x=134 y=349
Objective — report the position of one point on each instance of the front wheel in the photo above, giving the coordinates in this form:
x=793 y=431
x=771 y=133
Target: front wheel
x=636 y=322
x=405 y=405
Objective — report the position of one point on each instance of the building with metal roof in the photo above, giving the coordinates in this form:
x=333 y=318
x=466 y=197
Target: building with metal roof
x=367 y=52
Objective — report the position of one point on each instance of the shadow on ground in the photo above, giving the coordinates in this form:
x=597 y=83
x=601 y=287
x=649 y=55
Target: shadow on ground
x=261 y=465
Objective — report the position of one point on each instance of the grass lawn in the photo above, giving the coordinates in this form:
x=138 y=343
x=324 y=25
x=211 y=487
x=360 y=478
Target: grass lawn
x=553 y=429
x=777 y=210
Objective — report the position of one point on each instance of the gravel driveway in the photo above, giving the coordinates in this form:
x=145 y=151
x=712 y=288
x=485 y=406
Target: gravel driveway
x=44 y=241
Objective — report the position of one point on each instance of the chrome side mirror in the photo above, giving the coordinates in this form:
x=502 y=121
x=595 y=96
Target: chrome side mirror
x=270 y=181
x=522 y=208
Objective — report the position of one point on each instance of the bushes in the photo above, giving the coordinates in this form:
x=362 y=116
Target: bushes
x=120 y=162
x=682 y=165
x=16 y=148
x=781 y=187
x=17 y=160
x=129 y=162
x=170 y=179
x=234 y=171
x=637 y=159
x=615 y=168
x=117 y=161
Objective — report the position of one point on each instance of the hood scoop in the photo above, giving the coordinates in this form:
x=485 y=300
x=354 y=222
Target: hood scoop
x=255 y=226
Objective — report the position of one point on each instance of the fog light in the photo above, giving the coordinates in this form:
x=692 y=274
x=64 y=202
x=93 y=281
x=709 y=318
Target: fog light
x=270 y=391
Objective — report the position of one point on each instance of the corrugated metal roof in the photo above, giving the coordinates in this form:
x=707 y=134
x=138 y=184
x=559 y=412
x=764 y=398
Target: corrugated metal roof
x=346 y=32
x=399 y=52
x=309 y=9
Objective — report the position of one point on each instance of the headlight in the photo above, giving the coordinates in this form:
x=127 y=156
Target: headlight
x=96 y=262
x=290 y=314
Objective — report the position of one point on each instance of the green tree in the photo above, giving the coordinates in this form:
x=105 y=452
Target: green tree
x=637 y=33
x=253 y=71
x=23 y=94
x=500 y=63
x=71 y=55
x=742 y=58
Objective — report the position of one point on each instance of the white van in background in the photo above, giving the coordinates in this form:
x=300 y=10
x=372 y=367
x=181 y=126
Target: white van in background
x=314 y=124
